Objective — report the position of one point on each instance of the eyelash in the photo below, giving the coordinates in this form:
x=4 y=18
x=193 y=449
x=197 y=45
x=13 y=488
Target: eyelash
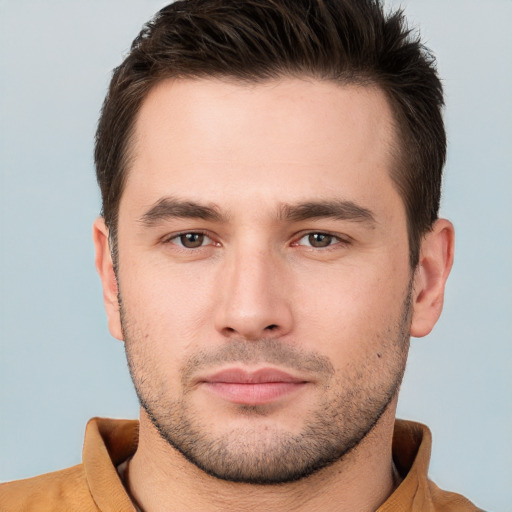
x=336 y=239
x=177 y=236
x=333 y=238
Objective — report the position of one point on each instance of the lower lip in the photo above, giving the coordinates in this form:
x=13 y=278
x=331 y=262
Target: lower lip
x=254 y=393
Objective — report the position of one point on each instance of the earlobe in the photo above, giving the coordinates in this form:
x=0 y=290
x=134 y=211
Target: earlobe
x=105 y=268
x=435 y=263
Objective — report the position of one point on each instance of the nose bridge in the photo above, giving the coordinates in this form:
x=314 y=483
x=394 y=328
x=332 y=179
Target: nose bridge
x=253 y=302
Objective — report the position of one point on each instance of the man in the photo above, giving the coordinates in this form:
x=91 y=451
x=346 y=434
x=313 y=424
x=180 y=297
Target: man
x=269 y=241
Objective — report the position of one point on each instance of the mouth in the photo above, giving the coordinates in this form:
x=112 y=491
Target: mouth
x=259 y=387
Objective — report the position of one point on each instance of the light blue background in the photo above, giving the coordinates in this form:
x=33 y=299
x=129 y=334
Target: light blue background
x=58 y=364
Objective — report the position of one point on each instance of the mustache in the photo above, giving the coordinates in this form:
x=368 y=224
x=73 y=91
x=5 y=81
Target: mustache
x=268 y=351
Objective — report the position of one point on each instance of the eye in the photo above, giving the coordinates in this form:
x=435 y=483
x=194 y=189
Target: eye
x=318 y=240
x=191 y=240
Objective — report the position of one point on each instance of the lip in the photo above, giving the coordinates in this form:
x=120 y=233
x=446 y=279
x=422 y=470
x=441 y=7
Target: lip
x=259 y=387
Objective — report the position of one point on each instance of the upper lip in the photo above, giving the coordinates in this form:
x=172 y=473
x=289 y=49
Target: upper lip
x=243 y=376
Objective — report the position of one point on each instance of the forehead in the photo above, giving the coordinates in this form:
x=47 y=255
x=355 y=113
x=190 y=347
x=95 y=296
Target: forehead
x=289 y=136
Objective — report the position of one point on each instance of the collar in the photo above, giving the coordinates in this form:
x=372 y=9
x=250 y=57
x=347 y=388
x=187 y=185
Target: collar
x=110 y=442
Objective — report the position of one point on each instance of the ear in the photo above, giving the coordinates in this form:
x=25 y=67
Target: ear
x=105 y=269
x=435 y=263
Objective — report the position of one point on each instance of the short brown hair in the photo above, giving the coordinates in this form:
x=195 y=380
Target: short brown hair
x=346 y=41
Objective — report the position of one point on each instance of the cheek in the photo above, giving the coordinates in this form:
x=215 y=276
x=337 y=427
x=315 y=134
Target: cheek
x=166 y=305
x=354 y=312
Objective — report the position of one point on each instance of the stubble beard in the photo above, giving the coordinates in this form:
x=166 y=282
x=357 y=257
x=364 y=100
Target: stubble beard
x=272 y=456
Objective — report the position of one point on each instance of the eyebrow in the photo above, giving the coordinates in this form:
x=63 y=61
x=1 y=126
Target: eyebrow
x=337 y=209
x=168 y=208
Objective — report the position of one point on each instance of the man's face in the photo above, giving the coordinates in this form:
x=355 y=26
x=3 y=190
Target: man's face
x=263 y=272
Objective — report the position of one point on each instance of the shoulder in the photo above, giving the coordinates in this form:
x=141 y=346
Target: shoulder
x=412 y=444
x=79 y=488
x=446 y=501
x=59 y=491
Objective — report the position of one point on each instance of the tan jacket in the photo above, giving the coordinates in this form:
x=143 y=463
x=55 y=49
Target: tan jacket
x=95 y=485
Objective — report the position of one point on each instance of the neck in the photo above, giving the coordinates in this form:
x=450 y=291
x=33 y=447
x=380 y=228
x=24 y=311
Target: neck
x=160 y=477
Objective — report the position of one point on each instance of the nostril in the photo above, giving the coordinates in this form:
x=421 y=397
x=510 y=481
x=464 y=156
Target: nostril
x=271 y=327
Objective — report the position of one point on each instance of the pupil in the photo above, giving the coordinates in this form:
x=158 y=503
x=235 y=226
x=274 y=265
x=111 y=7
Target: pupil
x=319 y=239
x=192 y=240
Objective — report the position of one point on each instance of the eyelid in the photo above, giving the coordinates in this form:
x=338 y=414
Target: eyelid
x=340 y=238
x=168 y=239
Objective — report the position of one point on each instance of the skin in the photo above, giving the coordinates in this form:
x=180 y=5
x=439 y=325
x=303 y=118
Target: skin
x=257 y=290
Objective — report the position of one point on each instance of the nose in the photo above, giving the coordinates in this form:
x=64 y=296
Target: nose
x=255 y=302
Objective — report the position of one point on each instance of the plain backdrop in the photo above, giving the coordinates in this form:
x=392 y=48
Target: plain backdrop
x=58 y=364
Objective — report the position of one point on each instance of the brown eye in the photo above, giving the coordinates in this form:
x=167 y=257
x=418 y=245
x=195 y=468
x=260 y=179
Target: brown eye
x=319 y=239
x=191 y=240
